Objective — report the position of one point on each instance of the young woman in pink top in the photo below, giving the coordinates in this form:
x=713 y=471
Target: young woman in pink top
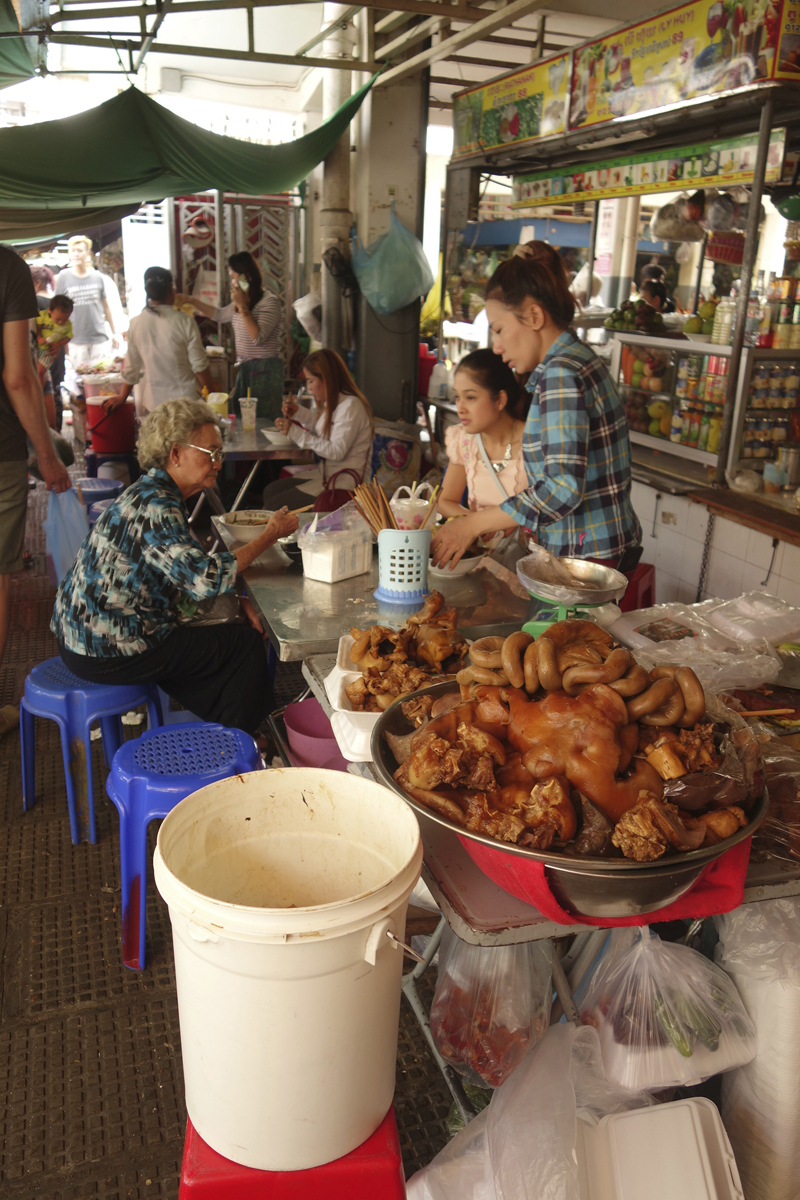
x=485 y=447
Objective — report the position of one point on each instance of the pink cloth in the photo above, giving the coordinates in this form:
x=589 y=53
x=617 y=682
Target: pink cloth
x=718 y=890
x=463 y=451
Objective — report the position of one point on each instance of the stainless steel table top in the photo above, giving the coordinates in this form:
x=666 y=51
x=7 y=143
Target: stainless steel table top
x=250 y=444
x=306 y=617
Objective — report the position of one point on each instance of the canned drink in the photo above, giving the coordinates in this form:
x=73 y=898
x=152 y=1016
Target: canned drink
x=782 y=337
x=788 y=285
x=785 y=312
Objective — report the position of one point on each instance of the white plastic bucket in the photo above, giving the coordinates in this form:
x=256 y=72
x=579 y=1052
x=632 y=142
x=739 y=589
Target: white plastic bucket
x=282 y=887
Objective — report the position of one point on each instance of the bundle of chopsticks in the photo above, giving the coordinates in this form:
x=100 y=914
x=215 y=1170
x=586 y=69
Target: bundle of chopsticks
x=370 y=500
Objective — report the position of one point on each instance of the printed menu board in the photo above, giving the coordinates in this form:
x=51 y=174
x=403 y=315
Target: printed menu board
x=701 y=48
x=787 y=64
x=709 y=164
x=531 y=103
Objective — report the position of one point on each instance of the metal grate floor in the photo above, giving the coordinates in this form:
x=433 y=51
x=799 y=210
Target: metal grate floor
x=91 y=1085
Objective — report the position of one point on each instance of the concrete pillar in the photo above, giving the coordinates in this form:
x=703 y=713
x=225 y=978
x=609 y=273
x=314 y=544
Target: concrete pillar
x=630 y=244
x=335 y=216
x=389 y=165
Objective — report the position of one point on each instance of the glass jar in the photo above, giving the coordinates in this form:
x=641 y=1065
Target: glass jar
x=722 y=332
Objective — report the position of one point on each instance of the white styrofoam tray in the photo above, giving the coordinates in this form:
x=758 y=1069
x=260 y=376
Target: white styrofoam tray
x=662 y=1066
x=676 y=1151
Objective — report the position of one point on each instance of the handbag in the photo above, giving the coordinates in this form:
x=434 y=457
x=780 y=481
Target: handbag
x=332 y=497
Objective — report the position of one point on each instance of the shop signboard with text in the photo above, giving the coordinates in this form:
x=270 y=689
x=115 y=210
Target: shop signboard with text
x=724 y=163
x=528 y=104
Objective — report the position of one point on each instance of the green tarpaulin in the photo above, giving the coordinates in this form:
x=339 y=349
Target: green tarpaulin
x=15 y=62
x=132 y=150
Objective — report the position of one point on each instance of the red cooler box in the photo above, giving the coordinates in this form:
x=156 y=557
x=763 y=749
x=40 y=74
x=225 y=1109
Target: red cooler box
x=112 y=433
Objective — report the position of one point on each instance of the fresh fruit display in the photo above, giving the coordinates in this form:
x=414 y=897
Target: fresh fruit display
x=635 y=316
x=703 y=320
x=645 y=372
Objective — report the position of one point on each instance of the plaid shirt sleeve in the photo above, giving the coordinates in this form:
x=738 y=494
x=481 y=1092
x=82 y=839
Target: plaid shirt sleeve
x=564 y=450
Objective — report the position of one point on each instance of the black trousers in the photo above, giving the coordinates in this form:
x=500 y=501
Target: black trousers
x=218 y=672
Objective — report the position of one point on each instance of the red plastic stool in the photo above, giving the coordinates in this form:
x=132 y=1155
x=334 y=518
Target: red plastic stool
x=373 y=1171
x=641 y=591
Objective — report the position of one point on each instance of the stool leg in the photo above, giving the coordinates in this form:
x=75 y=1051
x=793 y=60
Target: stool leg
x=78 y=765
x=27 y=737
x=111 y=729
x=133 y=872
x=67 y=756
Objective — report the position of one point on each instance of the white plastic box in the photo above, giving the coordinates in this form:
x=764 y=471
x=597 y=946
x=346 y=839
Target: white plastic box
x=338 y=555
x=676 y=1151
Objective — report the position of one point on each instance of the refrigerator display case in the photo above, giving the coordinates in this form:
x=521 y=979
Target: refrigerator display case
x=674 y=397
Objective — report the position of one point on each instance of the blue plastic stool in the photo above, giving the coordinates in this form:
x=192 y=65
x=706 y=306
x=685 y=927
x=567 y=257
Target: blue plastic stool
x=97 y=509
x=96 y=489
x=52 y=691
x=148 y=778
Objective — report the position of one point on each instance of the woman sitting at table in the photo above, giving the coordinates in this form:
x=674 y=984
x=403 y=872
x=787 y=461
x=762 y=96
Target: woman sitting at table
x=127 y=610
x=485 y=448
x=257 y=331
x=340 y=431
x=575 y=443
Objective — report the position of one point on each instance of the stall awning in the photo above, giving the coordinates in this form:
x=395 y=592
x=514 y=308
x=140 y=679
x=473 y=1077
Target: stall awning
x=15 y=62
x=132 y=150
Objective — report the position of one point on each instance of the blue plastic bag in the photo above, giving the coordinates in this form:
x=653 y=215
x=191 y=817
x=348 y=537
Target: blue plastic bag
x=393 y=271
x=65 y=527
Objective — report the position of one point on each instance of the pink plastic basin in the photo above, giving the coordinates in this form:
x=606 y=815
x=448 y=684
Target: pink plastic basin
x=309 y=732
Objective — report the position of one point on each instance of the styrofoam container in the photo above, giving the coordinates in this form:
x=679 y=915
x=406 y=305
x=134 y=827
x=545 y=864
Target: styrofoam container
x=657 y=1067
x=338 y=555
x=283 y=887
x=352 y=740
x=676 y=1151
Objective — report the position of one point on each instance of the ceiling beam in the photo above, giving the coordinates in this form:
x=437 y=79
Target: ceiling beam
x=286 y=60
x=417 y=33
x=148 y=41
x=499 y=19
x=323 y=33
x=391 y=22
x=461 y=11
x=485 y=62
x=458 y=85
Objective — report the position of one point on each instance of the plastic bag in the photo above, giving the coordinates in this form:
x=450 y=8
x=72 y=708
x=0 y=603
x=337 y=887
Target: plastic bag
x=523 y=1146
x=683 y=635
x=491 y=1004
x=65 y=527
x=309 y=313
x=665 y=1015
x=669 y=224
x=396 y=454
x=760 y=945
x=779 y=835
x=753 y=616
x=394 y=270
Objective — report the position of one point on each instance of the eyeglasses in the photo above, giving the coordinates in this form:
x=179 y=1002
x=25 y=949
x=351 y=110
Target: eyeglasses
x=217 y=455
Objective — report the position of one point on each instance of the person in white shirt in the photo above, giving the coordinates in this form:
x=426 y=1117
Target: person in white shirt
x=165 y=351
x=340 y=431
x=94 y=297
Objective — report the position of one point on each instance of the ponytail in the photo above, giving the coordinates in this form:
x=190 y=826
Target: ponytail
x=534 y=272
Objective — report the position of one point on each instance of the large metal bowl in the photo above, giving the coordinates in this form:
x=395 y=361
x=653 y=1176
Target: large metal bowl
x=606 y=584
x=589 y=887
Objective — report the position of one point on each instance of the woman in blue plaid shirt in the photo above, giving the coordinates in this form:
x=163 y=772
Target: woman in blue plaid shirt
x=575 y=445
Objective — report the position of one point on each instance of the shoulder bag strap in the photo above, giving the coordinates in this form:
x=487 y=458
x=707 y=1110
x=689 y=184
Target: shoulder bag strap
x=487 y=462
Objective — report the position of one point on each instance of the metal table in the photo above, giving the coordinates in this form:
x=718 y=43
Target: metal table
x=250 y=445
x=305 y=617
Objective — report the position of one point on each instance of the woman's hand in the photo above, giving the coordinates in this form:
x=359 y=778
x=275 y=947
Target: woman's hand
x=281 y=524
x=450 y=542
x=252 y=615
x=282 y=424
x=240 y=299
x=112 y=402
x=289 y=407
x=180 y=299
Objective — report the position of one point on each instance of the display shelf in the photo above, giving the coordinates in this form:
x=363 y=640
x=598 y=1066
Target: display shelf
x=679 y=448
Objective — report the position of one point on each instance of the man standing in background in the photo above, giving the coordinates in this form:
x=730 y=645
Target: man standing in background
x=92 y=316
x=22 y=412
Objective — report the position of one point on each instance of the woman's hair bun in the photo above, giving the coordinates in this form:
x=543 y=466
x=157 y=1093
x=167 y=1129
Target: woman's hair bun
x=536 y=272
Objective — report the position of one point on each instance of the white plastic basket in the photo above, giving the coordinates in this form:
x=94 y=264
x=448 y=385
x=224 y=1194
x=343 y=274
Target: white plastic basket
x=403 y=565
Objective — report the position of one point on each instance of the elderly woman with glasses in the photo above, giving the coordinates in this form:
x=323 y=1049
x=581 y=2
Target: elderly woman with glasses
x=127 y=610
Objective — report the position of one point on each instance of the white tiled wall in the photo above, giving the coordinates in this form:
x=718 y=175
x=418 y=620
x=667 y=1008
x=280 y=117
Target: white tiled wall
x=673 y=534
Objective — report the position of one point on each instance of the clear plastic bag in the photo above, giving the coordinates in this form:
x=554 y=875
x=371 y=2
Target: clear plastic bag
x=665 y=1015
x=683 y=635
x=65 y=527
x=740 y=777
x=753 y=616
x=523 y=1146
x=491 y=1004
x=393 y=271
x=779 y=835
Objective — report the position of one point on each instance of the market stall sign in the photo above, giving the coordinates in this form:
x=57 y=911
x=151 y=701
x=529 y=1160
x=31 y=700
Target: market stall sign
x=709 y=164
x=699 y=49
x=522 y=106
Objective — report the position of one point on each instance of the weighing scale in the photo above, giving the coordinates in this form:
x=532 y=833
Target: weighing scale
x=604 y=586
